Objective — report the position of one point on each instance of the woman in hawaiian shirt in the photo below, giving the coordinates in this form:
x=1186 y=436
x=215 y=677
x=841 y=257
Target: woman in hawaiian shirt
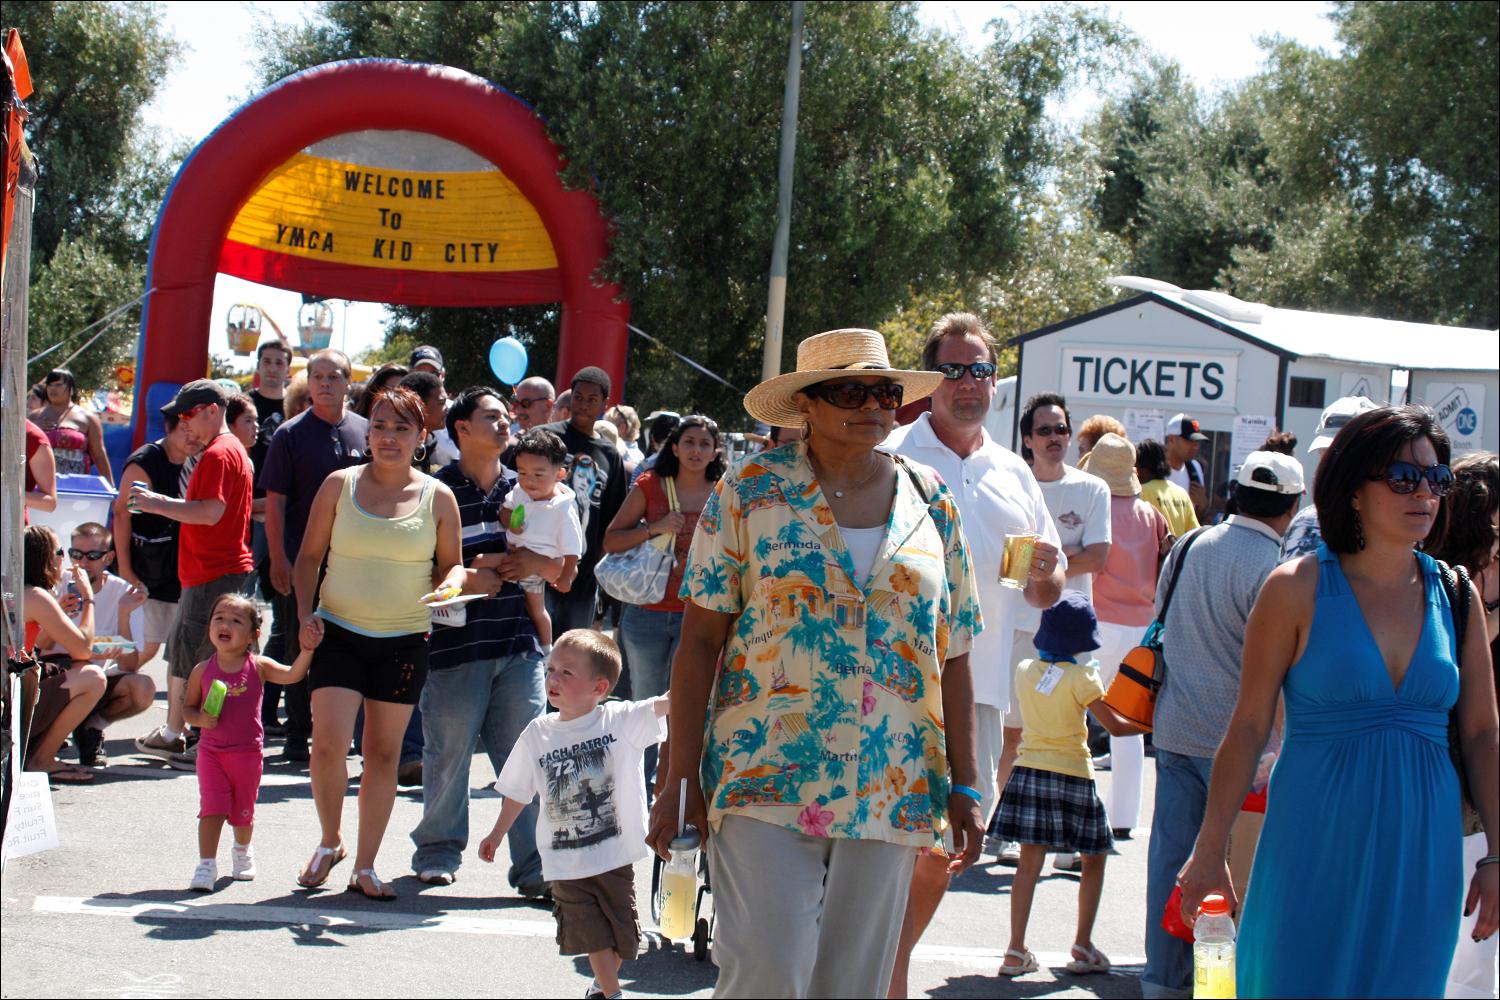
x=830 y=609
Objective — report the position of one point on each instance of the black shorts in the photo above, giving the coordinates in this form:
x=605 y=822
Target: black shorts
x=382 y=668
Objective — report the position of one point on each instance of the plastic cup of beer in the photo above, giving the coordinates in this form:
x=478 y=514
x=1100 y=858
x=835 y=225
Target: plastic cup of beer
x=1016 y=568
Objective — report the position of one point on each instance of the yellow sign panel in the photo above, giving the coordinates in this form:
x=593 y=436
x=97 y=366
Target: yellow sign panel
x=348 y=213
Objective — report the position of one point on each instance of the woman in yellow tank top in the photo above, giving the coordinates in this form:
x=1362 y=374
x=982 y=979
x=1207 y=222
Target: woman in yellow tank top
x=391 y=534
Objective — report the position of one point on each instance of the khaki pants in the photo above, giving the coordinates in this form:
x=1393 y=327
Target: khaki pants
x=801 y=916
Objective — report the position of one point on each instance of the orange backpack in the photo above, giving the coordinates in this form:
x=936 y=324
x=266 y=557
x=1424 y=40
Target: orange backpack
x=1143 y=671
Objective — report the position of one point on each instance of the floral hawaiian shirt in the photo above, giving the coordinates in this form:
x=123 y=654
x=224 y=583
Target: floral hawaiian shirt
x=827 y=715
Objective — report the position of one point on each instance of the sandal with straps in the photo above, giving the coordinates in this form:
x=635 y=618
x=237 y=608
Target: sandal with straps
x=311 y=879
x=1028 y=963
x=380 y=892
x=1086 y=960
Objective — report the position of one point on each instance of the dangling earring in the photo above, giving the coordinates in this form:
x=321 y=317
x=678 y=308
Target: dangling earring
x=1359 y=532
x=421 y=456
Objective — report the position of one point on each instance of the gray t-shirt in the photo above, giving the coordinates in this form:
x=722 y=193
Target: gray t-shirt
x=1204 y=635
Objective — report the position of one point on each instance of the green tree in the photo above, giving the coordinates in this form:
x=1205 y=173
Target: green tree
x=914 y=157
x=102 y=174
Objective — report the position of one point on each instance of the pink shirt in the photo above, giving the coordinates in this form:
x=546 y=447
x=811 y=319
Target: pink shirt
x=1125 y=589
x=239 y=728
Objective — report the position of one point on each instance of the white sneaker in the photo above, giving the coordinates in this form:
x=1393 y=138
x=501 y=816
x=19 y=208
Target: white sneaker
x=244 y=862
x=1010 y=854
x=1102 y=762
x=205 y=875
x=1067 y=862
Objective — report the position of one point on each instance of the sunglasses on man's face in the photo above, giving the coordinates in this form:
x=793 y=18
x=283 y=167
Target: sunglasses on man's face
x=852 y=395
x=954 y=370
x=92 y=555
x=1047 y=430
x=1405 y=477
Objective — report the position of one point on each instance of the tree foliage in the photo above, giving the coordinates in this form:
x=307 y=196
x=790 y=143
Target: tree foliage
x=101 y=173
x=1361 y=182
x=915 y=158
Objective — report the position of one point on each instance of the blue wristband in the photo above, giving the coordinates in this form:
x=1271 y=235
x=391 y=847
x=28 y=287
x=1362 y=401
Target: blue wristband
x=970 y=792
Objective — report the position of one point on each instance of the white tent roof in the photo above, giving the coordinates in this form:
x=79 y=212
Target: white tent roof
x=1359 y=339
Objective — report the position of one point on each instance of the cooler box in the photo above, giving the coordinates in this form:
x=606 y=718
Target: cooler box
x=79 y=499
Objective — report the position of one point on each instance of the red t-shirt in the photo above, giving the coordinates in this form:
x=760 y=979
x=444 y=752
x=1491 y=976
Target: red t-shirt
x=206 y=552
x=658 y=507
x=35 y=439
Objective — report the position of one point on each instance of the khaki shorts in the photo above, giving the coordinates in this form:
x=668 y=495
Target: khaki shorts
x=188 y=642
x=597 y=914
x=1023 y=647
x=158 y=626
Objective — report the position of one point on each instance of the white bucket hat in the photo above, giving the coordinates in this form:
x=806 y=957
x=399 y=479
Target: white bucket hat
x=826 y=356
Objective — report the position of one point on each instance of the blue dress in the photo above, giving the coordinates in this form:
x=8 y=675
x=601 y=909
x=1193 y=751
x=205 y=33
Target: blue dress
x=1358 y=879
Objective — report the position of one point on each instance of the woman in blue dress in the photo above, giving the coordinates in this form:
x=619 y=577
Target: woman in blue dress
x=1358 y=873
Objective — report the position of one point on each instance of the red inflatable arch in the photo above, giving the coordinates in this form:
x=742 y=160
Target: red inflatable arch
x=191 y=243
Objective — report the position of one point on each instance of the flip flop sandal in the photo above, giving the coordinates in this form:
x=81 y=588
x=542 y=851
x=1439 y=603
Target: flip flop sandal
x=1028 y=963
x=70 y=776
x=316 y=865
x=1087 y=960
x=379 y=894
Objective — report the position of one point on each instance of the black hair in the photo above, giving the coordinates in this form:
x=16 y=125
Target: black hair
x=273 y=345
x=662 y=426
x=667 y=463
x=64 y=375
x=1033 y=404
x=1363 y=448
x=380 y=378
x=464 y=405
x=543 y=444
x=1282 y=442
x=1475 y=497
x=1254 y=502
x=1151 y=461
x=593 y=375
x=424 y=384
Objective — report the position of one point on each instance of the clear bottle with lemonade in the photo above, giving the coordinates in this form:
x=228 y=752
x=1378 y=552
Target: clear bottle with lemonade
x=1213 y=950
x=679 y=886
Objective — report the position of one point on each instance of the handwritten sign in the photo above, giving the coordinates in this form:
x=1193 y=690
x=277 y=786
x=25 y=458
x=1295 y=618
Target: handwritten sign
x=1145 y=425
x=1249 y=433
x=352 y=214
x=31 y=827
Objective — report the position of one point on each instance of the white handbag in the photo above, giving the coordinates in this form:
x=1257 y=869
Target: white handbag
x=639 y=575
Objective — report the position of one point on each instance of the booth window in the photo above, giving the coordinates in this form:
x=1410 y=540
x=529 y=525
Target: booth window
x=1307 y=392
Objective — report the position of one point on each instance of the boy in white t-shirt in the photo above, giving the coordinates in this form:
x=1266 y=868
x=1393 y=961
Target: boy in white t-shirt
x=540 y=515
x=117 y=615
x=584 y=760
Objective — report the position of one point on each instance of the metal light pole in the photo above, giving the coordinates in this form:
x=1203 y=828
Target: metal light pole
x=776 y=304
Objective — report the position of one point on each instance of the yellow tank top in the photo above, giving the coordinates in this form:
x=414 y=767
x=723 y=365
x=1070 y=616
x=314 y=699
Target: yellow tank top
x=379 y=567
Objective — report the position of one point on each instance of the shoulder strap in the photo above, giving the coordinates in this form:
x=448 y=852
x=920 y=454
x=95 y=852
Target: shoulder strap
x=1184 y=545
x=670 y=483
x=1456 y=586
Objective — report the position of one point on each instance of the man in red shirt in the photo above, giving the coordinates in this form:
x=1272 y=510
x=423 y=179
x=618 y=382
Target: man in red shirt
x=213 y=557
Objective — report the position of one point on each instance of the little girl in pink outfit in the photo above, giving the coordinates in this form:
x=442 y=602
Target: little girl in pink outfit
x=229 y=749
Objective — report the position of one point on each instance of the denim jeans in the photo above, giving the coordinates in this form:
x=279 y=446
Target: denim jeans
x=493 y=699
x=650 y=640
x=575 y=609
x=1181 y=797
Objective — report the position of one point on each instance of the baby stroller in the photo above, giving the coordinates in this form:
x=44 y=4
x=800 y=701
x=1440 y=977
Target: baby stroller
x=703 y=922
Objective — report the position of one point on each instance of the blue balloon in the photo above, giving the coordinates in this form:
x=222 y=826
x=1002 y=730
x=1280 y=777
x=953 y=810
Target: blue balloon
x=508 y=360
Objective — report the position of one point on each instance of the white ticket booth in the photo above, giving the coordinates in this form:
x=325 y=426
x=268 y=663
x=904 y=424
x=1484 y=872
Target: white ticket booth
x=1243 y=369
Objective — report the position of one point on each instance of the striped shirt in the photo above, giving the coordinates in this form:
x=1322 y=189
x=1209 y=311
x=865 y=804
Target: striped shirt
x=497 y=626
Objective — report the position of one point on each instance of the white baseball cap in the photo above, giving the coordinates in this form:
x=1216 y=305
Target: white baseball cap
x=1272 y=471
x=1336 y=415
x=1185 y=426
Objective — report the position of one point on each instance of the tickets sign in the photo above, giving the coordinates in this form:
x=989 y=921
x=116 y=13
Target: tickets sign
x=1169 y=379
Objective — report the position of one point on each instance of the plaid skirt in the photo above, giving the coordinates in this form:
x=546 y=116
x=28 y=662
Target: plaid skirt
x=1057 y=811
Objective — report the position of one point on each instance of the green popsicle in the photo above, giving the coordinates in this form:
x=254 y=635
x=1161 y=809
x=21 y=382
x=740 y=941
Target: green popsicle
x=213 y=702
x=517 y=518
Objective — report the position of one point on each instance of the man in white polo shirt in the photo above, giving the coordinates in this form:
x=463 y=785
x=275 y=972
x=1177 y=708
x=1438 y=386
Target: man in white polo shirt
x=997 y=496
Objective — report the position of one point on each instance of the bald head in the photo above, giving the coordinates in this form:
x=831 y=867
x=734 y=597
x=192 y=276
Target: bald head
x=534 y=398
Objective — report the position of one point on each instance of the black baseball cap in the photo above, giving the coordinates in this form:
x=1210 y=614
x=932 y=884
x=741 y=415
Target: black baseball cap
x=427 y=354
x=200 y=392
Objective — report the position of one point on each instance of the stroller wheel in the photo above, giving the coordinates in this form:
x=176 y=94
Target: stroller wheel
x=700 y=939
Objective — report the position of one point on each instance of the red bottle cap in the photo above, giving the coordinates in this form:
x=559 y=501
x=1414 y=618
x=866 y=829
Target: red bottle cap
x=1214 y=904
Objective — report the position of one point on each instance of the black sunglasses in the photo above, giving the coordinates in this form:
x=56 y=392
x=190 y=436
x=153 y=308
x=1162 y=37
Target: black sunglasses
x=852 y=395
x=1404 y=477
x=981 y=370
x=93 y=555
x=1047 y=430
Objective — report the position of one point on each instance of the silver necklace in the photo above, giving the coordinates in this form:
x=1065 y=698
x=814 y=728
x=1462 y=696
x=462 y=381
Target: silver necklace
x=878 y=466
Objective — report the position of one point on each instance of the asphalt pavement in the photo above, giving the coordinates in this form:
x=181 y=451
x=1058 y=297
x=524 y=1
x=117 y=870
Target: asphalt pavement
x=108 y=912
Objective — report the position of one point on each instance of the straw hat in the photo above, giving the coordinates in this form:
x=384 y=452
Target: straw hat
x=826 y=356
x=1112 y=459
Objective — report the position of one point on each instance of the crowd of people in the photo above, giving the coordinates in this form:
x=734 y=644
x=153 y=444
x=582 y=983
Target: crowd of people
x=862 y=694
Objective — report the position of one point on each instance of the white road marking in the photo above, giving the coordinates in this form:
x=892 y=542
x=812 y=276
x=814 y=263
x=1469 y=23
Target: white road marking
x=216 y=911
